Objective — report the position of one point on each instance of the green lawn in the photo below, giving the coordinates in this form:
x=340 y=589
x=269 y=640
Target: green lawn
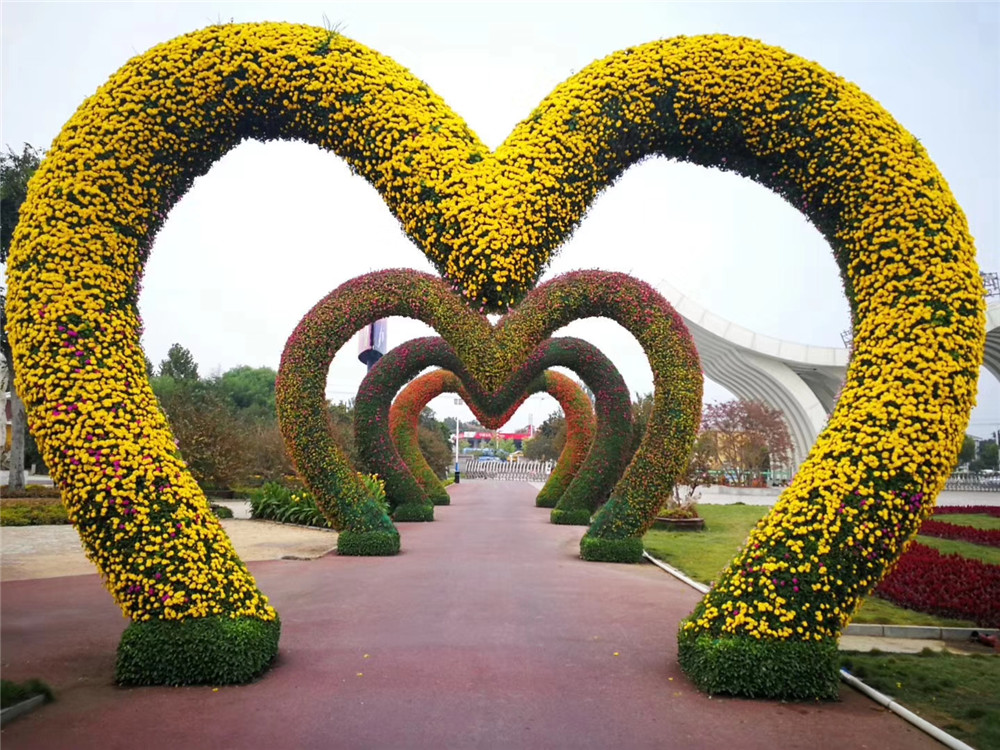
x=971 y=519
x=956 y=693
x=704 y=554
x=965 y=549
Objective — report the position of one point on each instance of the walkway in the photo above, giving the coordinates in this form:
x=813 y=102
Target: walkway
x=486 y=632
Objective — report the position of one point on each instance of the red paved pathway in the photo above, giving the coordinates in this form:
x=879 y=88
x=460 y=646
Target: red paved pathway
x=486 y=632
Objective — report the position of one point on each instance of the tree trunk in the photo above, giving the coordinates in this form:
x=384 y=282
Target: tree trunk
x=18 y=425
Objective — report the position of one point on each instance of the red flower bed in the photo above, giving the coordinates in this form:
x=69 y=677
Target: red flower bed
x=951 y=510
x=942 y=530
x=945 y=585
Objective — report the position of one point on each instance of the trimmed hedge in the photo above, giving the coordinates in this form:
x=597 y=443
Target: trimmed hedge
x=33 y=513
x=367 y=543
x=196 y=651
x=758 y=668
x=575 y=517
x=596 y=549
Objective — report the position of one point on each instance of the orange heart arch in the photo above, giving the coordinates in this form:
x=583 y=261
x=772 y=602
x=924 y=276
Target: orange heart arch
x=489 y=222
x=581 y=426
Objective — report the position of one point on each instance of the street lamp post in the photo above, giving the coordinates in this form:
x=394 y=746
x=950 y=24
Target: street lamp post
x=458 y=437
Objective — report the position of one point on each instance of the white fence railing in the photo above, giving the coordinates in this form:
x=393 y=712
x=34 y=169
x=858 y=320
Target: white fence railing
x=973 y=481
x=506 y=471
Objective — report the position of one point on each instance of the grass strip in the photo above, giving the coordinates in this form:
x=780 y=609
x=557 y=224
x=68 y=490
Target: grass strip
x=954 y=692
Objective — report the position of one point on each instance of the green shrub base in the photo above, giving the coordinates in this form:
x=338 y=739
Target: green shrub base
x=216 y=650
x=760 y=669
x=546 y=500
x=413 y=513
x=578 y=517
x=440 y=498
x=368 y=543
x=595 y=549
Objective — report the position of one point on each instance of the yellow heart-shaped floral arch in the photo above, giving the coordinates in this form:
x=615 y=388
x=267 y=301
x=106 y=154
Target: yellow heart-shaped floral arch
x=489 y=221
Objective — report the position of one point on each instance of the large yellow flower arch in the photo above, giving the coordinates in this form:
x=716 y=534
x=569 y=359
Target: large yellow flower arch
x=489 y=222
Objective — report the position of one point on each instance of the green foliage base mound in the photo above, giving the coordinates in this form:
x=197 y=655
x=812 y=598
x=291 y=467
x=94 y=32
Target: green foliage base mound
x=575 y=517
x=752 y=668
x=368 y=543
x=546 y=499
x=595 y=549
x=203 y=651
x=439 y=498
x=413 y=512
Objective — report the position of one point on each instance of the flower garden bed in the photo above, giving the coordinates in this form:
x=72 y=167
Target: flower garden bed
x=944 y=530
x=927 y=587
x=947 y=585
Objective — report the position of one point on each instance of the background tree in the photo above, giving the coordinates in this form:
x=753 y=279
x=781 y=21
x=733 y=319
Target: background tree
x=642 y=408
x=446 y=428
x=549 y=439
x=15 y=172
x=226 y=427
x=745 y=439
x=342 y=430
x=250 y=390
x=989 y=453
x=179 y=364
x=436 y=449
x=988 y=458
x=968 y=452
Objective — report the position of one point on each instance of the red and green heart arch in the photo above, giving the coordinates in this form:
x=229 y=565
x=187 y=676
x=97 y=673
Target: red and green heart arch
x=494 y=357
x=602 y=465
x=404 y=420
x=489 y=221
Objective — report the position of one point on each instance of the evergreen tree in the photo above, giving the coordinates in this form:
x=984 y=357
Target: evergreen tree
x=15 y=171
x=179 y=365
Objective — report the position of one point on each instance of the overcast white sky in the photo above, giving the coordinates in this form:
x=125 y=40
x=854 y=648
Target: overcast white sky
x=273 y=228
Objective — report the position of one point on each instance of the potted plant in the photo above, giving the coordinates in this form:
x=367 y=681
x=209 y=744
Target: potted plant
x=680 y=511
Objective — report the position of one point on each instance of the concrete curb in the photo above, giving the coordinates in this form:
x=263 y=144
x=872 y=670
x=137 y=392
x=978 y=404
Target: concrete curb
x=926 y=632
x=19 y=709
x=904 y=713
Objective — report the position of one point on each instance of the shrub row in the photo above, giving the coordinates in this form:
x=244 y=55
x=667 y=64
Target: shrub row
x=32 y=491
x=33 y=513
x=53 y=513
x=277 y=502
x=12 y=693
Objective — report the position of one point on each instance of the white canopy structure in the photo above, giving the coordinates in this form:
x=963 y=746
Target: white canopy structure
x=801 y=381
x=992 y=359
